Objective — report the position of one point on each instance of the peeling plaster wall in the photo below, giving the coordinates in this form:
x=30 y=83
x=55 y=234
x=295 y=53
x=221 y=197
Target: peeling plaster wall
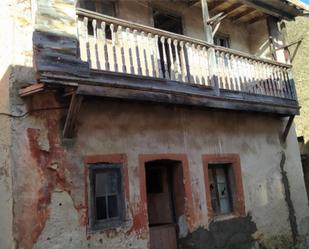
x=50 y=182
x=15 y=62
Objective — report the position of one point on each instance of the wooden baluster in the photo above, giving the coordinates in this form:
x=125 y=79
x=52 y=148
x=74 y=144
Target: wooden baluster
x=292 y=84
x=273 y=79
x=287 y=84
x=184 y=71
x=129 y=44
x=114 y=47
x=258 y=77
x=246 y=72
x=121 y=45
x=105 y=52
x=242 y=72
x=194 y=64
x=166 y=73
x=200 y=64
x=95 y=49
x=231 y=74
x=238 y=73
x=158 y=67
x=152 y=54
x=220 y=69
x=264 y=79
x=205 y=69
x=190 y=68
x=137 y=53
x=224 y=71
x=178 y=75
x=172 y=66
x=87 y=41
x=279 y=82
x=144 y=47
x=282 y=83
x=82 y=40
x=270 y=80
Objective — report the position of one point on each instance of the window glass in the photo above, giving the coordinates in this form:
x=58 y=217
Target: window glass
x=106 y=195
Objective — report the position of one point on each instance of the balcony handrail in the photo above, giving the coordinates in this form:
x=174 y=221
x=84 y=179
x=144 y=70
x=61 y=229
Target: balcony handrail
x=160 y=32
x=116 y=45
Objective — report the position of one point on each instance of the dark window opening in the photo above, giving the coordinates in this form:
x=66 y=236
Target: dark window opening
x=220 y=184
x=222 y=40
x=106 y=195
x=105 y=7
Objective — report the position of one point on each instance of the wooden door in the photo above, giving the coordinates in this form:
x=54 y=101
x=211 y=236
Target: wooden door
x=162 y=224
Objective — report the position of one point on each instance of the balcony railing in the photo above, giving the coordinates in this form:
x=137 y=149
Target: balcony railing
x=116 y=45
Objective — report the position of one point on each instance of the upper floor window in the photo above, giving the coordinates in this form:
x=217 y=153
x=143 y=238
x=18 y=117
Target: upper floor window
x=222 y=40
x=106 y=195
x=106 y=7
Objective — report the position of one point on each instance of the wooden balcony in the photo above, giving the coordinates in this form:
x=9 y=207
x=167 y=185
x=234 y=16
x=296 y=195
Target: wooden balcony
x=135 y=55
x=124 y=60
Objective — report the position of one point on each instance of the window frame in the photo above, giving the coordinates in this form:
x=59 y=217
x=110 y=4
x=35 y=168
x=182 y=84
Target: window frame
x=111 y=160
x=219 y=35
x=237 y=195
x=109 y=222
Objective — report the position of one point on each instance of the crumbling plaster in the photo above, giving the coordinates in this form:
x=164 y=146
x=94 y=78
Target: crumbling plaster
x=134 y=129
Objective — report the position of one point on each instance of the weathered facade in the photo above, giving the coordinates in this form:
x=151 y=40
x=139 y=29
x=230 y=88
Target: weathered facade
x=196 y=139
x=298 y=32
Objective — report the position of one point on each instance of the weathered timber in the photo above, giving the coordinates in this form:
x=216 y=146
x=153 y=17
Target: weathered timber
x=58 y=54
x=287 y=128
x=148 y=88
x=72 y=115
x=32 y=89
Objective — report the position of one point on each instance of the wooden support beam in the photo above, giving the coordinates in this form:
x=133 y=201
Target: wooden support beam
x=212 y=64
x=243 y=14
x=32 y=89
x=232 y=8
x=215 y=4
x=257 y=18
x=287 y=128
x=72 y=115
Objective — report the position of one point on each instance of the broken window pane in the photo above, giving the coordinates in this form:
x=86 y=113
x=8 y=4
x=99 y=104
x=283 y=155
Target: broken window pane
x=221 y=198
x=101 y=208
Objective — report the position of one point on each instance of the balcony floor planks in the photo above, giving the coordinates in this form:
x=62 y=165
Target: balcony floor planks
x=132 y=87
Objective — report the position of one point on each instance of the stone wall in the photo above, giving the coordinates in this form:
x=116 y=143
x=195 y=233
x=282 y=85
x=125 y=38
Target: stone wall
x=296 y=30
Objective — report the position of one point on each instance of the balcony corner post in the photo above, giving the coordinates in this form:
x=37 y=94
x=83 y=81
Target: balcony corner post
x=212 y=63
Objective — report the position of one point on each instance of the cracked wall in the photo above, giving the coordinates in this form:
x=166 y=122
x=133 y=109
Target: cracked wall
x=50 y=184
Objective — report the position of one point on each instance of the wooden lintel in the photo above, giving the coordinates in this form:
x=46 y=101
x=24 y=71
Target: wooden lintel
x=72 y=115
x=32 y=89
x=287 y=128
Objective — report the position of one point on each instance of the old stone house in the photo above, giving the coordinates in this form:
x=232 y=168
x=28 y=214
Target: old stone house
x=149 y=124
x=298 y=37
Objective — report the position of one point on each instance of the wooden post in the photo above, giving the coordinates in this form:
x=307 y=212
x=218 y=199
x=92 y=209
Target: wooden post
x=212 y=63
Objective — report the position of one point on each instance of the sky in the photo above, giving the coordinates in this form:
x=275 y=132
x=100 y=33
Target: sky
x=305 y=1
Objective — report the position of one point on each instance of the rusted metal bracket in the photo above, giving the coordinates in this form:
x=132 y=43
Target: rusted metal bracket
x=287 y=128
x=72 y=115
